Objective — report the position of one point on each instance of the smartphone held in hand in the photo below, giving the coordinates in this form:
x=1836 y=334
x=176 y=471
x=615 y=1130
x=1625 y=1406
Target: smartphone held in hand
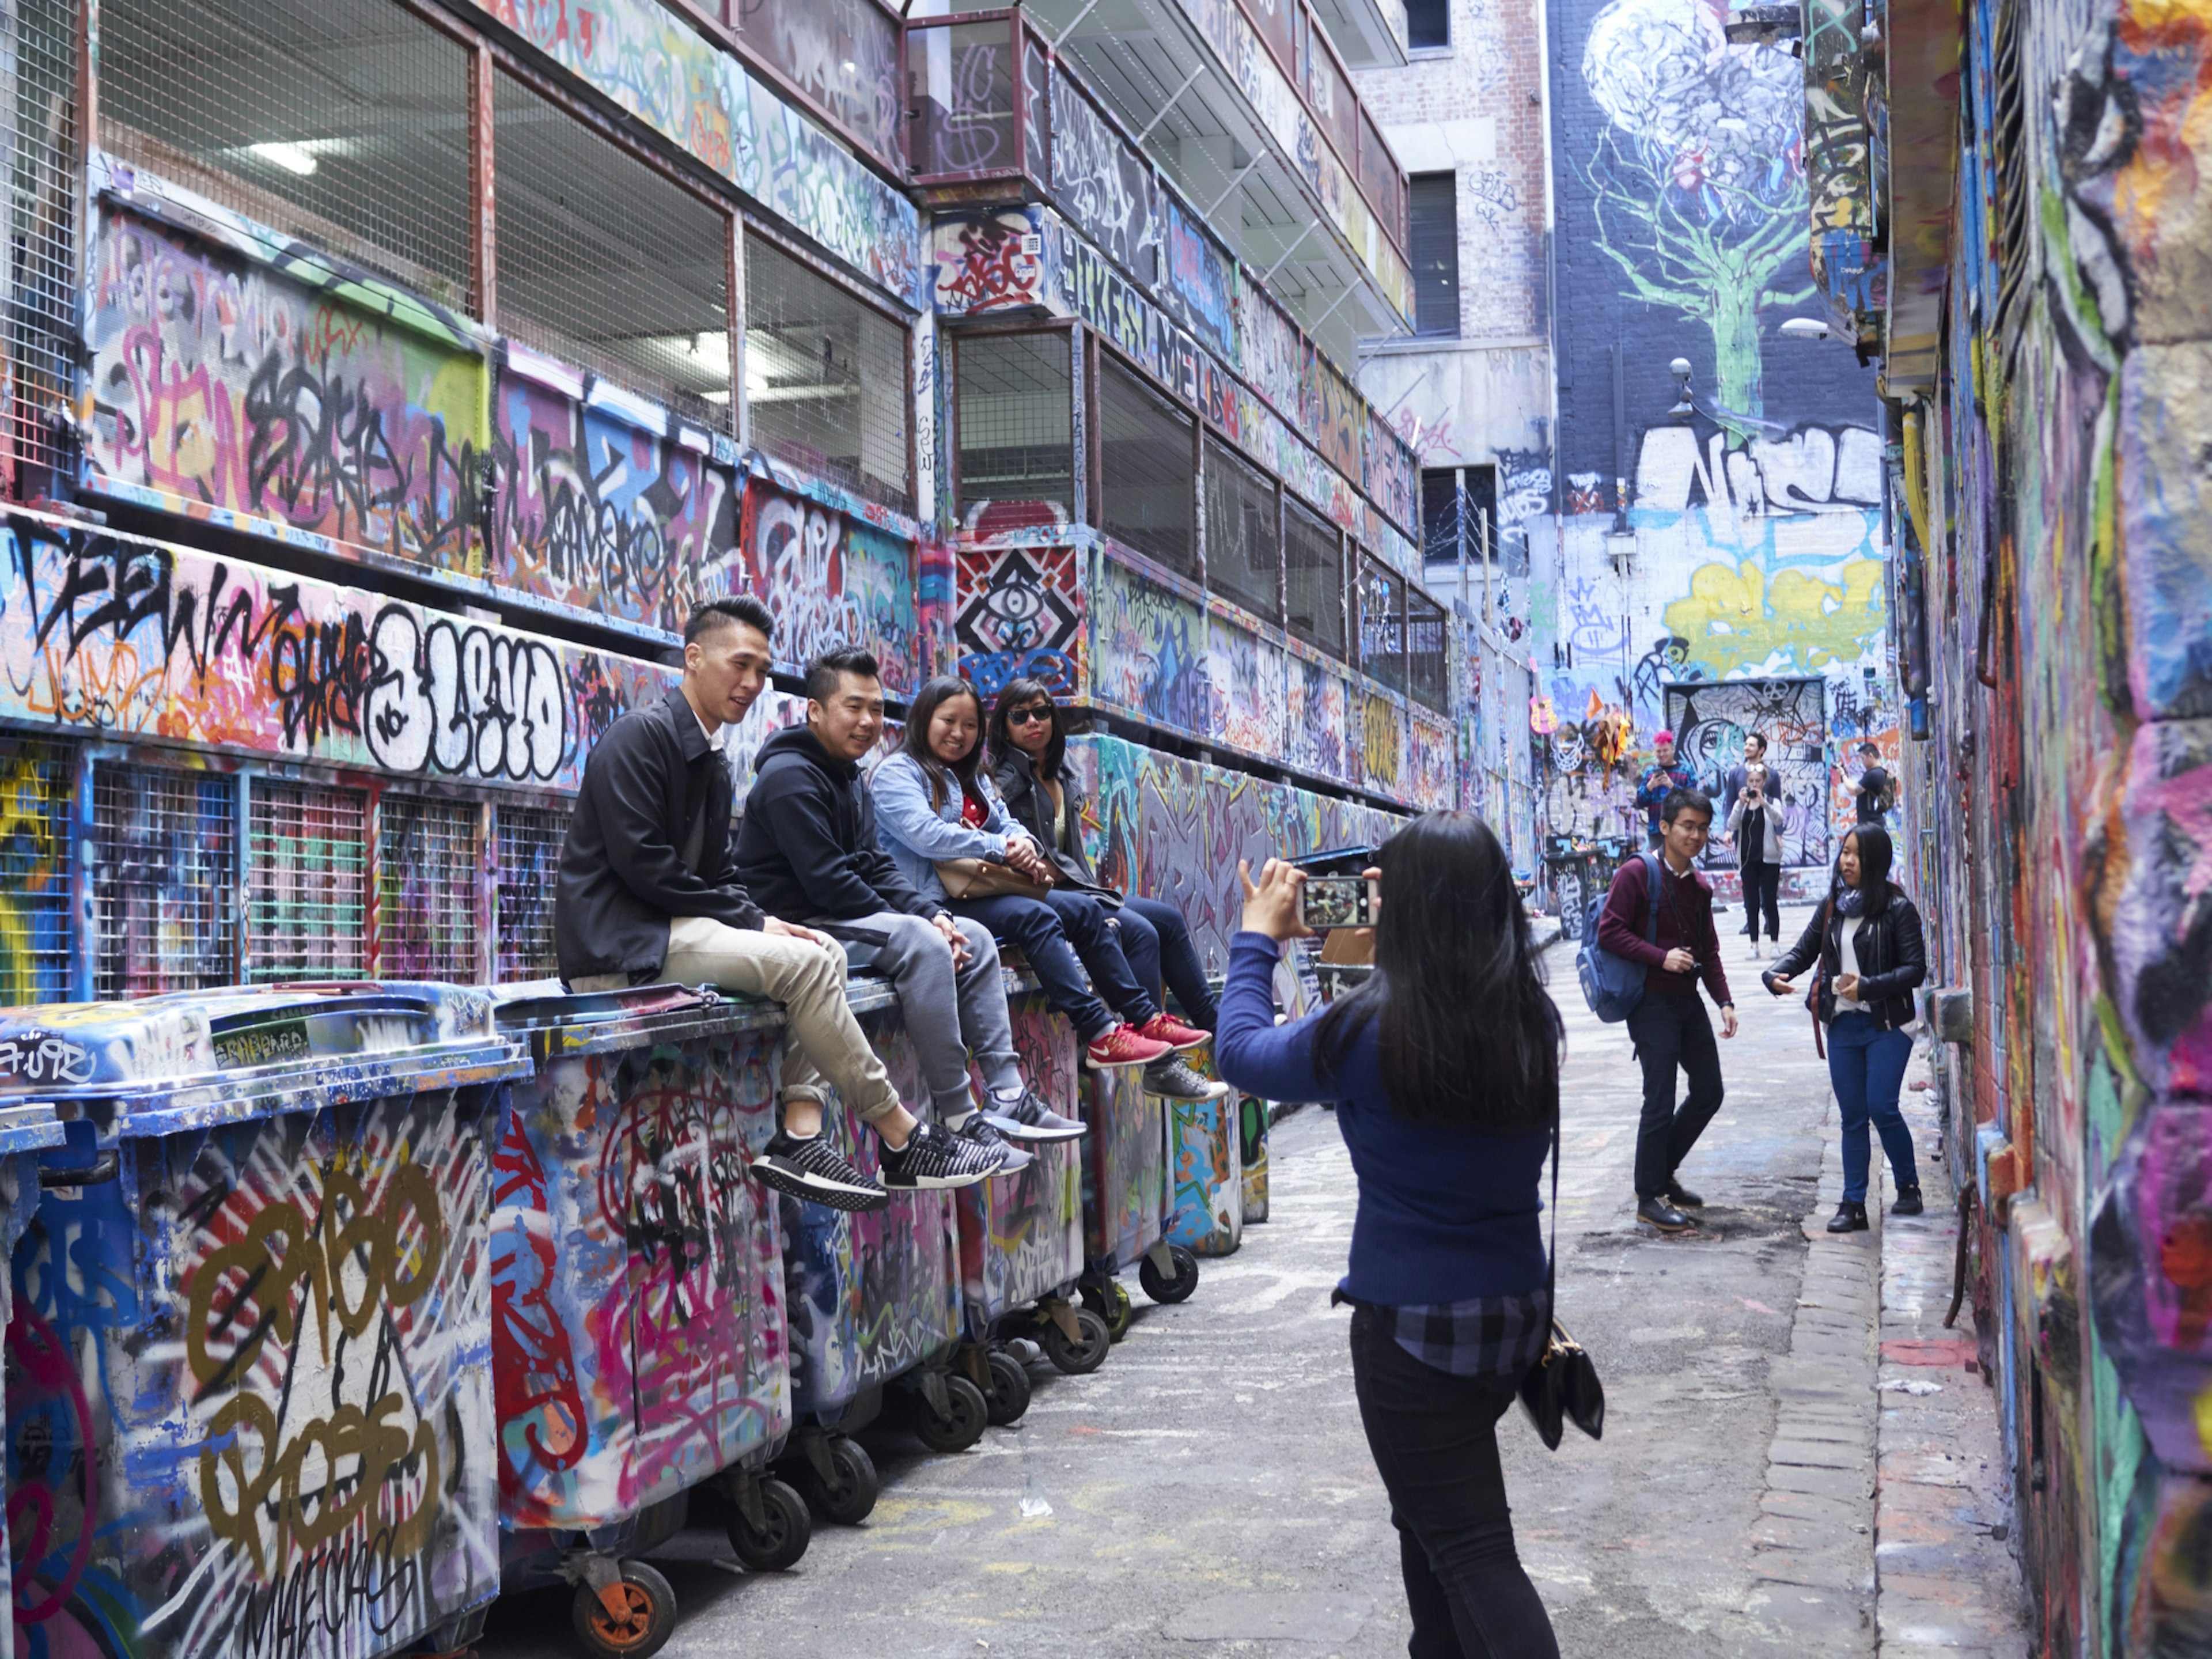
x=1336 y=901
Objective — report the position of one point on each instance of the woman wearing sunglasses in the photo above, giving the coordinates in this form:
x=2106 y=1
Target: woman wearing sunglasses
x=934 y=803
x=1028 y=749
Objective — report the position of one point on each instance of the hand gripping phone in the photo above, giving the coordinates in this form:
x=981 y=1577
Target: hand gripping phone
x=1337 y=902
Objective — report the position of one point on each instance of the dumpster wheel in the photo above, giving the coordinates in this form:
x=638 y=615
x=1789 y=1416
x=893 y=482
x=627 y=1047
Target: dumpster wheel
x=965 y=1417
x=632 y=1619
x=782 y=1535
x=1010 y=1390
x=1159 y=1287
x=1081 y=1354
x=849 y=1493
x=1110 y=1301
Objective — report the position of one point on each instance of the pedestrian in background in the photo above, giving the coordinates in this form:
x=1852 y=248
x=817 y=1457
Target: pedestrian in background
x=1867 y=944
x=1754 y=754
x=1877 y=791
x=1669 y=1027
x=1657 y=781
x=1448 y=1121
x=1754 y=822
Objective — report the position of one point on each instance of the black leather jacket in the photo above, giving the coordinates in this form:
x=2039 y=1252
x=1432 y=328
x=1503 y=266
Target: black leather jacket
x=1031 y=808
x=1891 y=958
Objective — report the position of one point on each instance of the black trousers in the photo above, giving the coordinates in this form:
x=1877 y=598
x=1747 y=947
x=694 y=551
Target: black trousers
x=1672 y=1032
x=1762 y=888
x=1435 y=1440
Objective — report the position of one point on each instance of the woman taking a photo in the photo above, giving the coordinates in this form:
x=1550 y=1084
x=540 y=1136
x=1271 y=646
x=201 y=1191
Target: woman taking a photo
x=1754 y=824
x=933 y=803
x=1027 y=751
x=1448 y=1121
x=1867 y=942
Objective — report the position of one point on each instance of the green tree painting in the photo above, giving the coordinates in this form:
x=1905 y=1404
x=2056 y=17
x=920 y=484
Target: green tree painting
x=1699 y=179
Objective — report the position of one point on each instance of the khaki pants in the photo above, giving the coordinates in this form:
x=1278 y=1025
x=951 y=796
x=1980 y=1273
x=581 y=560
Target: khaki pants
x=810 y=982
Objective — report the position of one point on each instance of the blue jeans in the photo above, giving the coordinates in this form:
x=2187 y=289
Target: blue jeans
x=1866 y=1064
x=1156 y=941
x=1062 y=934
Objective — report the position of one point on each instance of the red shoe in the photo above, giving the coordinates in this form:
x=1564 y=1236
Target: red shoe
x=1165 y=1028
x=1123 y=1046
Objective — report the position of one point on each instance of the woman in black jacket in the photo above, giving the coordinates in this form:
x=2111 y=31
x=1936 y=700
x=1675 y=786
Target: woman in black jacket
x=1027 y=751
x=1867 y=941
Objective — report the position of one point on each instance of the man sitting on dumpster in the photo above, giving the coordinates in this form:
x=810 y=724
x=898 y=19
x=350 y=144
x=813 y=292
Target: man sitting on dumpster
x=808 y=850
x=647 y=894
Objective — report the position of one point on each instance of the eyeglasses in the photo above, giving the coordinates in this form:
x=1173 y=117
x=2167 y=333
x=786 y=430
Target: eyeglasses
x=1038 y=713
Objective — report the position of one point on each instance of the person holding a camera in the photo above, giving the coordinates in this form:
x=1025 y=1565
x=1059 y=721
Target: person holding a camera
x=1678 y=948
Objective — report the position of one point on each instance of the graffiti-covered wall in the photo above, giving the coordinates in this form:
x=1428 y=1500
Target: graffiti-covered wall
x=1745 y=541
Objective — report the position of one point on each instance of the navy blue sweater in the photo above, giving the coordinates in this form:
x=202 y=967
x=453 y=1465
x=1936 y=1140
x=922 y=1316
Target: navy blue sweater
x=1445 y=1213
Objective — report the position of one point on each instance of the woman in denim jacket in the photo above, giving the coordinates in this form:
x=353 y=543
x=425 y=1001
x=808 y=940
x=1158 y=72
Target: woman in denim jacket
x=934 y=803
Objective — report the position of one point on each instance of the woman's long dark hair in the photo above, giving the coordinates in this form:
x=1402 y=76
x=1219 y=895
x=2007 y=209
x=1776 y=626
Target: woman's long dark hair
x=960 y=774
x=1016 y=693
x=1469 y=1036
x=1877 y=856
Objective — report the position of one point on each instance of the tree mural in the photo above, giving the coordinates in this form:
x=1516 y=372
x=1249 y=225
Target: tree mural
x=1699 y=179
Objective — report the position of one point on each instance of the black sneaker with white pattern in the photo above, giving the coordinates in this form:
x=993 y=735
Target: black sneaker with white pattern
x=814 y=1169
x=934 y=1159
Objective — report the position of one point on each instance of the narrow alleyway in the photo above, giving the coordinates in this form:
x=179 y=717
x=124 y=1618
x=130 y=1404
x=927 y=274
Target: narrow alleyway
x=1208 y=1492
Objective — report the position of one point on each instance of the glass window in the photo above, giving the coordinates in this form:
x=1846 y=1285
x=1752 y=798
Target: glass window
x=1017 y=430
x=1330 y=94
x=343 y=122
x=1144 y=470
x=1440 y=516
x=1381 y=182
x=1313 y=570
x=1428 y=23
x=164 y=880
x=960 y=85
x=825 y=377
x=843 y=54
x=1243 y=535
x=1382 y=624
x=1434 y=255
x=607 y=264
x=1428 y=661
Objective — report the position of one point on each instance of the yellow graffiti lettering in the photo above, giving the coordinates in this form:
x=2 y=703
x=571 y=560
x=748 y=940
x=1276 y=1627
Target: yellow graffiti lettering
x=1734 y=619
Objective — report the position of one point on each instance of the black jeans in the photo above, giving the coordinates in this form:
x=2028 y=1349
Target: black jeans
x=1435 y=1440
x=1671 y=1031
x=1157 y=942
x=1762 y=888
x=1054 y=932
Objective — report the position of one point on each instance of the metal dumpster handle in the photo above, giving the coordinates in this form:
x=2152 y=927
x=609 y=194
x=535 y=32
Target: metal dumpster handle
x=379 y=1001
x=104 y=1167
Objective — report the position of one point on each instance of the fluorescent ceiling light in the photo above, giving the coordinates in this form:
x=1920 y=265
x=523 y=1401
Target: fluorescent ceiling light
x=293 y=158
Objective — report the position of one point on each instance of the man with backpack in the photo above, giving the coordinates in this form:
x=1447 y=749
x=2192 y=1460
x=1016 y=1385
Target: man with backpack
x=1658 y=915
x=1877 y=791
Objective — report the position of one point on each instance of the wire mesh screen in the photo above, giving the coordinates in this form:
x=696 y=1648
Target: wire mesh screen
x=530 y=840
x=606 y=263
x=39 y=79
x=825 y=377
x=1017 y=430
x=426 y=888
x=164 y=854
x=1313 y=571
x=1243 y=540
x=1144 y=470
x=343 y=122
x=35 y=786
x=309 y=861
x=1382 y=624
x=1428 y=662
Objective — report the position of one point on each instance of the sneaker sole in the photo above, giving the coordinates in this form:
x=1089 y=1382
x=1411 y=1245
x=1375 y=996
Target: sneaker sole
x=1662 y=1227
x=1028 y=1134
x=942 y=1183
x=817 y=1189
x=1214 y=1091
x=1090 y=1064
x=1204 y=1038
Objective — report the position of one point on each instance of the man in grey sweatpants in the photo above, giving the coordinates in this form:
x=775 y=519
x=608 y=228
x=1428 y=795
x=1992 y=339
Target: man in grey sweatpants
x=808 y=852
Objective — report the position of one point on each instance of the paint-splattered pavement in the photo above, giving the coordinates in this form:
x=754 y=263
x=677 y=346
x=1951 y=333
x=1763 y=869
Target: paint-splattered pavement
x=1208 y=1492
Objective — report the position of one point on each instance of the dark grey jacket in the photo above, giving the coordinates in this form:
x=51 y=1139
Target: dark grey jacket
x=1031 y=807
x=622 y=871
x=1893 y=959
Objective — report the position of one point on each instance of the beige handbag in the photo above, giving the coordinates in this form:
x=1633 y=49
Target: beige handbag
x=975 y=878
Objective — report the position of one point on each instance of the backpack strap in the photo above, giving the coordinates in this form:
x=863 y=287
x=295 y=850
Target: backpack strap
x=1652 y=894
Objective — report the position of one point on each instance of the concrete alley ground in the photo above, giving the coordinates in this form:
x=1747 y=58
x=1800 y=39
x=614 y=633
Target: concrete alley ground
x=1208 y=1492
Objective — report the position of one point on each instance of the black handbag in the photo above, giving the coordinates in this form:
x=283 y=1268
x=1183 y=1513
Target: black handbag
x=1562 y=1383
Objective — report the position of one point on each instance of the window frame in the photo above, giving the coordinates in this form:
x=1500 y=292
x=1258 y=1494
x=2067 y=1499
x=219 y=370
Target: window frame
x=956 y=339
x=1345 y=564
x=1211 y=439
x=1437 y=46
x=1412 y=181
x=1102 y=354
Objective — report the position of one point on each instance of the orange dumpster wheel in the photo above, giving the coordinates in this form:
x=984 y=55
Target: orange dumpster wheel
x=640 y=1623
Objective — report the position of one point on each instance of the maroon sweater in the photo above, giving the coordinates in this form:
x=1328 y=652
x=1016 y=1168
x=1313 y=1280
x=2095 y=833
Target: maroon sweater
x=1685 y=920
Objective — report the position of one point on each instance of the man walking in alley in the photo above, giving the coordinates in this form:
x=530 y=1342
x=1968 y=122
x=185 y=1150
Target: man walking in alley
x=1658 y=780
x=1875 y=793
x=1678 y=948
x=647 y=894
x=808 y=850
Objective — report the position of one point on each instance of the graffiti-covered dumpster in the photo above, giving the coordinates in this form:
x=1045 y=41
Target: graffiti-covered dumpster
x=1021 y=1236
x=1127 y=1195
x=874 y=1300
x=638 y=1348
x=249 y=1396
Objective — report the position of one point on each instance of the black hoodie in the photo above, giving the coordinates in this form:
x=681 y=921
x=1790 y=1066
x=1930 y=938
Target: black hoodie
x=808 y=850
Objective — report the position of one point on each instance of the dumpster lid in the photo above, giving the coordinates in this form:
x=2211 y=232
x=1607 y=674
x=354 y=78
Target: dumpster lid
x=255 y=1049
x=557 y=1021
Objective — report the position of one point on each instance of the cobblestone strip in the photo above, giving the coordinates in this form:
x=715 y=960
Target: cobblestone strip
x=1812 y=1544
x=1946 y=1579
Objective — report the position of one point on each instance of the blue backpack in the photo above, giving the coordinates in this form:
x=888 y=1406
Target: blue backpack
x=1613 y=985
